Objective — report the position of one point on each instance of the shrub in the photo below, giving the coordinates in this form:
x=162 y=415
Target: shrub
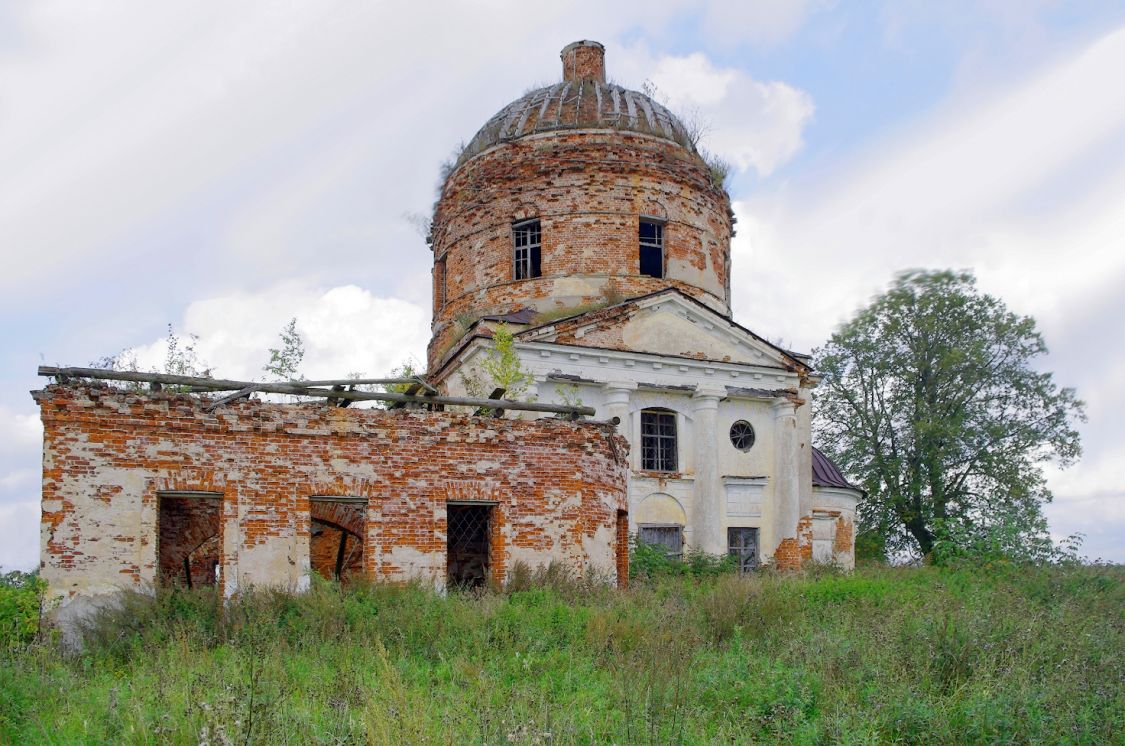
x=21 y=597
x=870 y=546
x=651 y=561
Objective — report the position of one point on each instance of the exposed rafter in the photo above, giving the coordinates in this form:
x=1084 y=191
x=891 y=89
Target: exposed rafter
x=304 y=388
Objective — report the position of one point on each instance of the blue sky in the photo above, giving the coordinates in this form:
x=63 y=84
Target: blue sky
x=224 y=168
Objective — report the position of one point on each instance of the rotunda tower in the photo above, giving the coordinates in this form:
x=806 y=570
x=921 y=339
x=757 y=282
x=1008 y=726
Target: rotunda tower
x=576 y=195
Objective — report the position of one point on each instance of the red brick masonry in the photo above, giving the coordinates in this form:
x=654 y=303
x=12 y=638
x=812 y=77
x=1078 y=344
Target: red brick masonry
x=109 y=455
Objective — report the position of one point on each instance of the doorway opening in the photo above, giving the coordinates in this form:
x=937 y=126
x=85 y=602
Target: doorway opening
x=189 y=541
x=468 y=544
x=337 y=526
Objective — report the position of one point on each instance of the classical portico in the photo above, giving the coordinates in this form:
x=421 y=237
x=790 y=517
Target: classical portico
x=736 y=406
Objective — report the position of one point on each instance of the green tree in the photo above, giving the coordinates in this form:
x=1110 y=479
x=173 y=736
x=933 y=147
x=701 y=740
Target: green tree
x=408 y=369
x=500 y=369
x=285 y=361
x=502 y=364
x=931 y=398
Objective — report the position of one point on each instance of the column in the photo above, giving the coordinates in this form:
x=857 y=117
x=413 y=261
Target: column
x=786 y=485
x=709 y=513
x=616 y=404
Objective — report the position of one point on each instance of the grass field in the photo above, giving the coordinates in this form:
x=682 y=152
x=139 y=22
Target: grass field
x=884 y=655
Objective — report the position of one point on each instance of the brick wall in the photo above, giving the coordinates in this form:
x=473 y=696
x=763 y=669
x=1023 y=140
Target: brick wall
x=588 y=188
x=108 y=456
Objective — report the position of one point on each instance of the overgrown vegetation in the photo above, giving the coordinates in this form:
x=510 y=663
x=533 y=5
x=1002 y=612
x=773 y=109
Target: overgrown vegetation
x=499 y=368
x=285 y=359
x=886 y=655
x=933 y=397
x=180 y=359
x=20 y=608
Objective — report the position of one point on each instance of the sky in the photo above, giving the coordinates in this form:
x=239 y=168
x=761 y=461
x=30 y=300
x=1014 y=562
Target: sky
x=226 y=167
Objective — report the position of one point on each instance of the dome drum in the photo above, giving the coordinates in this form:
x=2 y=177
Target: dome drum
x=586 y=190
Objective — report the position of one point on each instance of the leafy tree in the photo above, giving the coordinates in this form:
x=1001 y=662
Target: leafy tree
x=285 y=362
x=408 y=369
x=930 y=396
x=502 y=364
x=501 y=368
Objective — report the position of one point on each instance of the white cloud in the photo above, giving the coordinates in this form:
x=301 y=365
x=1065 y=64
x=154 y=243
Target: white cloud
x=21 y=438
x=19 y=431
x=763 y=23
x=1027 y=188
x=345 y=330
x=753 y=124
x=967 y=188
x=252 y=132
x=19 y=535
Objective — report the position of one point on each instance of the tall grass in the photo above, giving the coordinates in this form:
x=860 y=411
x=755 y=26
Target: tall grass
x=883 y=655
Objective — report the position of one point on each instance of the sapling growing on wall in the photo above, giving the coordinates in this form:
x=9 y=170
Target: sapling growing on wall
x=285 y=361
x=499 y=369
x=180 y=359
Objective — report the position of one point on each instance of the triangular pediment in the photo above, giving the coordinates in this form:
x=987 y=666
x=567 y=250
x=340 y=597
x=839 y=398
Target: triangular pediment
x=666 y=323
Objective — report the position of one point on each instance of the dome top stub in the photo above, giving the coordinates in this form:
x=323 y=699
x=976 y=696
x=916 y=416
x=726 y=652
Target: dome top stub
x=581 y=100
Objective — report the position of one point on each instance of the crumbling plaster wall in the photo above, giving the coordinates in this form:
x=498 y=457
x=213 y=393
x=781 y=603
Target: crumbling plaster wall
x=108 y=455
x=588 y=188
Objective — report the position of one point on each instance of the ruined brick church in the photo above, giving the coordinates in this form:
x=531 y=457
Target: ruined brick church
x=581 y=218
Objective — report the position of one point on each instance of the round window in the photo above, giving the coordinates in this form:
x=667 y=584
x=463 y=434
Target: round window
x=742 y=435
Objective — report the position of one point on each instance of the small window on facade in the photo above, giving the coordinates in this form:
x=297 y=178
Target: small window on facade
x=652 y=248
x=670 y=538
x=527 y=252
x=742 y=544
x=742 y=435
x=658 y=440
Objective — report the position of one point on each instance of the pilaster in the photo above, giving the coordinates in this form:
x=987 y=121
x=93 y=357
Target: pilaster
x=786 y=484
x=710 y=500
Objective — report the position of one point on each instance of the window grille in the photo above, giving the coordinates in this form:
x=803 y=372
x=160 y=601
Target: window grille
x=742 y=435
x=658 y=440
x=468 y=545
x=652 y=248
x=527 y=250
x=742 y=544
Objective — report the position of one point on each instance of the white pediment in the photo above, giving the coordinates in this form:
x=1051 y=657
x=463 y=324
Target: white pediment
x=664 y=324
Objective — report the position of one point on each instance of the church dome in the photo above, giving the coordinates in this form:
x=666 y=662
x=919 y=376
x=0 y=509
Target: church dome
x=574 y=196
x=582 y=100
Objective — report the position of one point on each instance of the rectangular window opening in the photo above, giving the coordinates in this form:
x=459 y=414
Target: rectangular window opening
x=527 y=250
x=669 y=537
x=742 y=544
x=337 y=531
x=652 y=248
x=440 y=292
x=468 y=545
x=658 y=441
x=189 y=539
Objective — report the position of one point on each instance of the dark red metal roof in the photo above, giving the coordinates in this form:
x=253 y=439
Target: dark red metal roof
x=827 y=474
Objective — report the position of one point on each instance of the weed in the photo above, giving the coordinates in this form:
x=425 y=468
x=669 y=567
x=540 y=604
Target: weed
x=688 y=654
